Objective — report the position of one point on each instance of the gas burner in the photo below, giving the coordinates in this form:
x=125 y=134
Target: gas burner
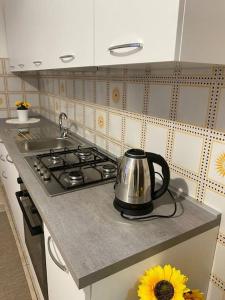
x=75 y=175
x=55 y=158
x=84 y=153
x=108 y=168
x=66 y=170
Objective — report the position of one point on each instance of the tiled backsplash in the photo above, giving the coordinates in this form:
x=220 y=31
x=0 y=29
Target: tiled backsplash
x=13 y=88
x=176 y=112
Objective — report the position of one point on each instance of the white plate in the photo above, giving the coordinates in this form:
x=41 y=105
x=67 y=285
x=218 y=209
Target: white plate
x=16 y=121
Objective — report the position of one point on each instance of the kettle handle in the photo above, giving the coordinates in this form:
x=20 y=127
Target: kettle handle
x=159 y=160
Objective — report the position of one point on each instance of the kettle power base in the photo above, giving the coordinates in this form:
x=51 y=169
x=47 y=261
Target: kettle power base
x=133 y=209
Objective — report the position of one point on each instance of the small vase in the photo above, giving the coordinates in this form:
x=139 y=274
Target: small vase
x=22 y=115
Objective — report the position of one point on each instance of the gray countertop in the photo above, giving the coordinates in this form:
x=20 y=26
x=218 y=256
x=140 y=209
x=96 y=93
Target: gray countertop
x=93 y=239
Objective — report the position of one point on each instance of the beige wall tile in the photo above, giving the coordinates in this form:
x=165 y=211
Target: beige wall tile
x=2 y=84
x=115 y=126
x=214 y=293
x=14 y=84
x=135 y=97
x=133 y=133
x=187 y=151
x=156 y=139
x=220 y=118
x=89 y=117
x=193 y=105
x=159 y=101
x=101 y=92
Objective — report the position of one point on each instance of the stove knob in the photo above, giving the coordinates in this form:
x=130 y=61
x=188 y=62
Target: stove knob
x=46 y=176
x=42 y=171
x=39 y=166
x=35 y=163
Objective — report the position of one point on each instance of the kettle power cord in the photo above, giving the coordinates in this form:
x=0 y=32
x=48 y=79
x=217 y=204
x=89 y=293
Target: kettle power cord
x=146 y=218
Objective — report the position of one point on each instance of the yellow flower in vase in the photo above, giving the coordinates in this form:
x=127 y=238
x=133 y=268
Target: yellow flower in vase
x=162 y=283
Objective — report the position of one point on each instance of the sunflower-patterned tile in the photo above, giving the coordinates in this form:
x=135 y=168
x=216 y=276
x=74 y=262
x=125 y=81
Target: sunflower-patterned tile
x=62 y=87
x=2 y=101
x=217 y=163
x=116 y=94
x=101 y=121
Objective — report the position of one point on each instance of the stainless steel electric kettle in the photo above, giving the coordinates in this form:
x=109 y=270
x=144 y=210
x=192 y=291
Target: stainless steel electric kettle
x=135 y=182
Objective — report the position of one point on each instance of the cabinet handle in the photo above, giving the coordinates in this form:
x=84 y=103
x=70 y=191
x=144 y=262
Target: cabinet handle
x=123 y=46
x=21 y=65
x=37 y=63
x=61 y=266
x=3 y=175
x=9 y=160
x=1 y=157
x=67 y=58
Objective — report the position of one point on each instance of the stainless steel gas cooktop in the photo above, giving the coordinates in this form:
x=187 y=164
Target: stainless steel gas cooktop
x=71 y=169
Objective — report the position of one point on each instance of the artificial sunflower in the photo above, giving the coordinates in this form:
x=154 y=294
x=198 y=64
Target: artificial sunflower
x=194 y=295
x=162 y=283
x=22 y=105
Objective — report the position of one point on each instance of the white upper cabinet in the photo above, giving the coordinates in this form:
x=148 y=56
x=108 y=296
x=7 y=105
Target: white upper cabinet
x=48 y=34
x=135 y=31
x=159 y=31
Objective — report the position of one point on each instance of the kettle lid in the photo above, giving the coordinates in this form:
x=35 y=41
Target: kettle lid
x=136 y=153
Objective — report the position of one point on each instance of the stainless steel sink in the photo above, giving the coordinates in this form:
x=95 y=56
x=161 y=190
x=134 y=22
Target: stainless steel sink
x=48 y=143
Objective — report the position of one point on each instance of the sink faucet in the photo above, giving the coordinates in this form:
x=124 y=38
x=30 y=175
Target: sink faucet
x=63 y=130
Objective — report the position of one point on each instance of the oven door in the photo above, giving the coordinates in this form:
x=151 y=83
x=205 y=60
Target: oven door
x=34 y=238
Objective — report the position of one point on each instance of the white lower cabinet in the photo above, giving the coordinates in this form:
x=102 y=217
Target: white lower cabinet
x=61 y=285
x=9 y=175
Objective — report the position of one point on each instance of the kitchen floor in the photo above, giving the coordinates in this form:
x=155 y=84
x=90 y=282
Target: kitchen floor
x=13 y=283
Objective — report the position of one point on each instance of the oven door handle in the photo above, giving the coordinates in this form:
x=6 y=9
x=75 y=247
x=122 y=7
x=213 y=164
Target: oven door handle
x=34 y=230
x=58 y=264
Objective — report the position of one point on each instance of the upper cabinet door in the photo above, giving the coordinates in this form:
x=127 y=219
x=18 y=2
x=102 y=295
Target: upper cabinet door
x=48 y=34
x=69 y=33
x=135 y=31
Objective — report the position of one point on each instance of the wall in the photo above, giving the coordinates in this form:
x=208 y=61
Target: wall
x=16 y=87
x=3 y=47
x=177 y=112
